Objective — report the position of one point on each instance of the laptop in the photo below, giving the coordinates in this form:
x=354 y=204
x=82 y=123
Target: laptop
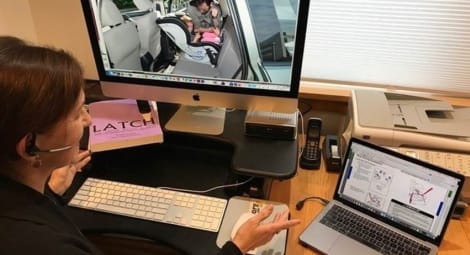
x=385 y=203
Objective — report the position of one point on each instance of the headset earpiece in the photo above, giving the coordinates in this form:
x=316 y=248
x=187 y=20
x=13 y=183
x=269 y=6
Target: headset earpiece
x=30 y=147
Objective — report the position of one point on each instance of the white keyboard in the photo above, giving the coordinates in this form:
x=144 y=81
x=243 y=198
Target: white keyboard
x=153 y=204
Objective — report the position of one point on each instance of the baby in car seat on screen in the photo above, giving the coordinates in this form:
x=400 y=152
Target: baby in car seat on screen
x=213 y=35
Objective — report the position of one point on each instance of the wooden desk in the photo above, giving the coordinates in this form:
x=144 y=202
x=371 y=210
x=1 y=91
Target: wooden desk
x=322 y=183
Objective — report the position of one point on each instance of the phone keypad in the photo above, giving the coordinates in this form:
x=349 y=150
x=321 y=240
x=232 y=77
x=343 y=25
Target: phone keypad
x=312 y=150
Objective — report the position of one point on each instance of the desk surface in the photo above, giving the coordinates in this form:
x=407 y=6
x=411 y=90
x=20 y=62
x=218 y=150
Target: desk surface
x=246 y=150
x=322 y=183
x=304 y=183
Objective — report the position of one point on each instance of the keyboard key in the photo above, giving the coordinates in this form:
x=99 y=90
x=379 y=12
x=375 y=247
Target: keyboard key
x=110 y=208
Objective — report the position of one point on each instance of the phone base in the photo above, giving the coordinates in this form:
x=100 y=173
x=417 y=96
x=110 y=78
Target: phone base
x=309 y=164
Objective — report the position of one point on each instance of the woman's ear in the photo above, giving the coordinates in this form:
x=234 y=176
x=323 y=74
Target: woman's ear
x=24 y=147
x=25 y=150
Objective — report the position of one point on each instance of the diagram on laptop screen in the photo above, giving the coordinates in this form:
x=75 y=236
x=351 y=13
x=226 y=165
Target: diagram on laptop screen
x=374 y=200
x=409 y=194
x=377 y=184
x=381 y=180
x=370 y=182
x=419 y=193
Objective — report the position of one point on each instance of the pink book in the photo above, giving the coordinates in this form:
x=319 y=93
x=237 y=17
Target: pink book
x=119 y=124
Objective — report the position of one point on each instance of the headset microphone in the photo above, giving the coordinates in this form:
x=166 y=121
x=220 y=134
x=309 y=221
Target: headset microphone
x=33 y=150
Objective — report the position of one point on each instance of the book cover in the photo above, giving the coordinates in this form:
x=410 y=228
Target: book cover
x=119 y=124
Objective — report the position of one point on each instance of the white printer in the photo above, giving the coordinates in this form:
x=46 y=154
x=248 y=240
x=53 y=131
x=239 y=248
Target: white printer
x=428 y=129
x=396 y=120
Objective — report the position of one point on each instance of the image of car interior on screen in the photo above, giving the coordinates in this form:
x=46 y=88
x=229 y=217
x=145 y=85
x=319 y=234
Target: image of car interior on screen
x=224 y=40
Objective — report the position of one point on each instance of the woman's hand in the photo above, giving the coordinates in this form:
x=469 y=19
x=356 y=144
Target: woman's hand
x=254 y=233
x=61 y=178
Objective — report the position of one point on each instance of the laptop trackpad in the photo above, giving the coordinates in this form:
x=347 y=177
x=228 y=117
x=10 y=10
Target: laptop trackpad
x=319 y=236
x=346 y=245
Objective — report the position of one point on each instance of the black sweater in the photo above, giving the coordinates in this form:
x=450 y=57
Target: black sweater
x=31 y=222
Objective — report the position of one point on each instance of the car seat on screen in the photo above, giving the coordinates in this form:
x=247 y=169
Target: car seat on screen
x=149 y=32
x=176 y=30
x=120 y=37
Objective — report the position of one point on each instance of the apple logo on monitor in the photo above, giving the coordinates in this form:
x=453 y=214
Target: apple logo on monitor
x=196 y=97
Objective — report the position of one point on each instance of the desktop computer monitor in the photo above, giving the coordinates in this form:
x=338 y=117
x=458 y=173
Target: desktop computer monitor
x=246 y=55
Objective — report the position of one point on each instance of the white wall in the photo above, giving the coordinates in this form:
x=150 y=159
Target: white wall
x=57 y=23
x=16 y=19
x=60 y=23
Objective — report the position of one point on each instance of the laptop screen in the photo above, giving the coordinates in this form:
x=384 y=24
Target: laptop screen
x=408 y=192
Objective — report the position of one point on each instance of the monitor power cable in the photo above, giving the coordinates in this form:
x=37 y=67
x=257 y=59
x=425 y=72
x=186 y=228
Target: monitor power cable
x=308 y=106
x=302 y=131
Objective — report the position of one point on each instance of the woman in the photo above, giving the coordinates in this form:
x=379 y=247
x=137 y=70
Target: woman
x=207 y=20
x=42 y=118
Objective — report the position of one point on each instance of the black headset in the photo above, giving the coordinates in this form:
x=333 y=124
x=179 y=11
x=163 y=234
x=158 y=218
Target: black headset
x=32 y=150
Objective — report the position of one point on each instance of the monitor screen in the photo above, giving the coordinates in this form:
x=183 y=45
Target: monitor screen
x=230 y=53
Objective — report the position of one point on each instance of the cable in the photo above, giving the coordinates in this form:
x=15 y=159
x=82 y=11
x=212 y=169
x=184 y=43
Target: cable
x=309 y=107
x=303 y=132
x=230 y=109
x=210 y=189
x=300 y=204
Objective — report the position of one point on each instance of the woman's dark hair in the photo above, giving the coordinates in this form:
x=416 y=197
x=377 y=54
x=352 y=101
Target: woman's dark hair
x=38 y=87
x=196 y=3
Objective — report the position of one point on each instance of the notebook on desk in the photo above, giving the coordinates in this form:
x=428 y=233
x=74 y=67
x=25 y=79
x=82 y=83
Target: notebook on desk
x=385 y=203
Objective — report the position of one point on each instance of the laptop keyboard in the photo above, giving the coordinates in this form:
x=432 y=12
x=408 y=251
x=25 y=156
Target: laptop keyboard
x=371 y=234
